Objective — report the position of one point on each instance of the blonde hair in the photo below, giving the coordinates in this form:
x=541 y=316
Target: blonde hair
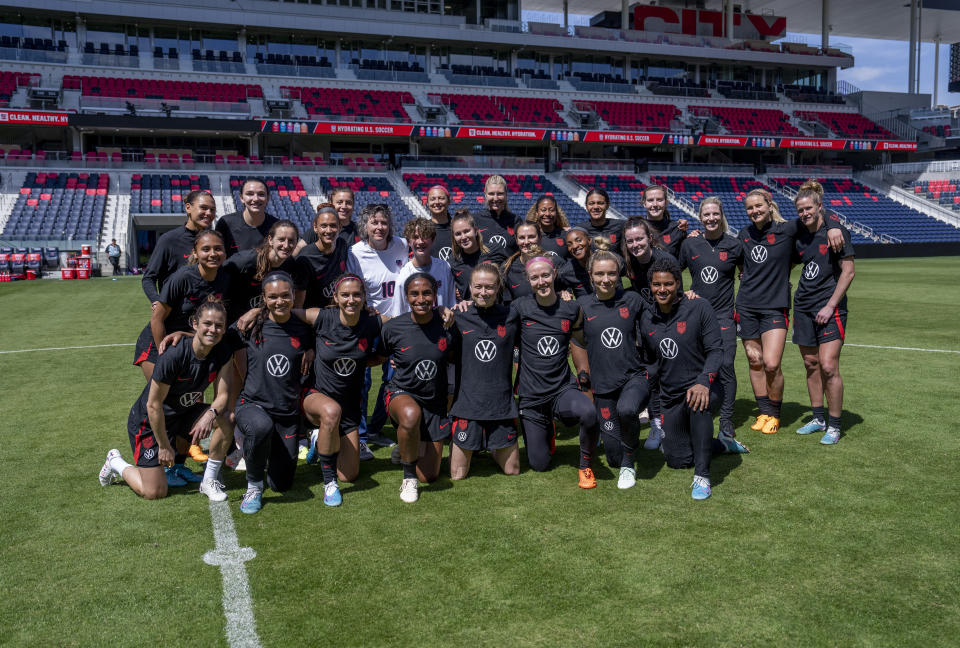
x=603 y=254
x=562 y=221
x=771 y=204
x=494 y=180
x=713 y=200
x=810 y=189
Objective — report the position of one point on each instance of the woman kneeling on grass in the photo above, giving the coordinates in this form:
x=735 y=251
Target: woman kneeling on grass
x=171 y=405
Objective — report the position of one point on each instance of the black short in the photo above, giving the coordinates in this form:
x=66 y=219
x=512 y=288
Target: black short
x=806 y=332
x=350 y=408
x=484 y=435
x=751 y=324
x=434 y=426
x=144 y=443
x=146 y=349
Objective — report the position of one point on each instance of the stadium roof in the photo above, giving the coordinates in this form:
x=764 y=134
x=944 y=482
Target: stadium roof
x=881 y=19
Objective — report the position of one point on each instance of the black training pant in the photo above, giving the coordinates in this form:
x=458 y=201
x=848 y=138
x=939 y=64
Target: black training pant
x=688 y=435
x=570 y=406
x=269 y=445
x=617 y=418
x=727 y=376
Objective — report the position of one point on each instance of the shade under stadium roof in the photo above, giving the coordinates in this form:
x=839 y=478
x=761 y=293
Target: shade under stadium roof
x=881 y=19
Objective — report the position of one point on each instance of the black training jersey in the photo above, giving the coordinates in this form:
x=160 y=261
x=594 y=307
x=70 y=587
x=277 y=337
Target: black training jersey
x=420 y=355
x=342 y=352
x=576 y=277
x=348 y=234
x=238 y=236
x=274 y=364
x=671 y=236
x=821 y=269
x=187 y=374
x=246 y=291
x=544 y=338
x=498 y=229
x=441 y=244
x=687 y=342
x=516 y=283
x=713 y=267
x=640 y=283
x=171 y=252
x=555 y=242
x=186 y=290
x=321 y=272
x=484 y=340
x=462 y=267
x=610 y=331
x=611 y=229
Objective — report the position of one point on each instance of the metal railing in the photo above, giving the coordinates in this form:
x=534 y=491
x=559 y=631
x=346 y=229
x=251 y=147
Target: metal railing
x=473 y=162
x=119 y=105
x=711 y=169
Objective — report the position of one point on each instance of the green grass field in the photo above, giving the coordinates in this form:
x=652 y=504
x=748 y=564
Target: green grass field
x=800 y=545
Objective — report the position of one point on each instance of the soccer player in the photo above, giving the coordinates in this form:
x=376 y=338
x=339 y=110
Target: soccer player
x=420 y=234
x=497 y=223
x=171 y=406
x=484 y=412
x=416 y=393
x=342 y=199
x=325 y=259
x=763 y=300
x=545 y=384
x=468 y=250
x=597 y=204
x=344 y=342
x=619 y=377
x=438 y=204
x=247 y=268
x=684 y=335
x=669 y=232
x=552 y=223
x=173 y=248
x=268 y=411
x=575 y=273
x=244 y=230
x=513 y=270
x=820 y=310
x=714 y=260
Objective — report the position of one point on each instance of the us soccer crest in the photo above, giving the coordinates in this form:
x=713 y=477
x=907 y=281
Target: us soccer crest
x=722 y=255
x=362 y=344
x=442 y=344
x=666 y=238
x=565 y=326
x=823 y=248
x=605 y=412
x=502 y=331
x=624 y=312
x=295 y=342
x=681 y=327
x=771 y=238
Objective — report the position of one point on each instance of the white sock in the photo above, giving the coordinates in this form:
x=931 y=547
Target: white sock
x=252 y=485
x=119 y=465
x=212 y=471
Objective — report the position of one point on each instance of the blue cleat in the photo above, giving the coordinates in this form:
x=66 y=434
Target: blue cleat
x=251 y=502
x=312 y=455
x=186 y=474
x=731 y=445
x=701 y=488
x=173 y=478
x=331 y=494
x=814 y=425
x=831 y=436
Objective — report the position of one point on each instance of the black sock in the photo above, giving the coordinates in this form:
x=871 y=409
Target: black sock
x=179 y=458
x=763 y=404
x=328 y=466
x=409 y=469
x=727 y=428
x=834 y=422
x=775 y=407
x=819 y=413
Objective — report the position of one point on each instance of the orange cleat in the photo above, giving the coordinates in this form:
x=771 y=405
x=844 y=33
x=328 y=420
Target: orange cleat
x=771 y=426
x=196 y=453
x=761 y=422
x=587 y=479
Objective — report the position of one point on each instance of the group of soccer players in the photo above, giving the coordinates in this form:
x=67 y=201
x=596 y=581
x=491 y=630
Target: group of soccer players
x=472 y=318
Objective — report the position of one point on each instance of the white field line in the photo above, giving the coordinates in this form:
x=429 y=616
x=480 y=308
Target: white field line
x=896 y=348
x=91 y=346
x=230 y=556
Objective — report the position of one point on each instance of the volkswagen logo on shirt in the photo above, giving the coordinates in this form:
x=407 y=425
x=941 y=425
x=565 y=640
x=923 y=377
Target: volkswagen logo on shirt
x=646 y=294
x=758 y=254
x=278 y=365
x=256 y=302
x=426 y=370
x=548 y=346
x=485 y=350
x=344 y=366
x=328 y=291
x=611 y=337
x=190 y=398
x=811 y=271
x=709 y=275
x=668 y=348
x=445 y=253
x=498 y=240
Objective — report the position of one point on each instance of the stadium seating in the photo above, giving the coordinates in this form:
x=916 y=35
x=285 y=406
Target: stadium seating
x=848 y=124
x=163 y=194
x=363 y=105
x=810 y=94
x=531 y=110
x=749 y=121
x=482 y=109
x=59 y=206
x=288 y=198
x=625 y=191
x=370 y=190
x=10 y=81
x=166 y=89
x=941 y=192
x=885 y=216
x=473 y=109
x=655 y=117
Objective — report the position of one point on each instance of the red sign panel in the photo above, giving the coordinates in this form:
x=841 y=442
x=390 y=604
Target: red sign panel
x=896 y=146
x=704 y=22
x=623 y=137
x=721 y=140
x=33 y=117
x=793 y=142
x=492 y=132
x=395 y=130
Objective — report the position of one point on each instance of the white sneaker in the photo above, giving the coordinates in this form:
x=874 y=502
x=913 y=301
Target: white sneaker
x=410 y=490
x=365 y=453
x=107 y=474
x=213 y=489
x=627 y=478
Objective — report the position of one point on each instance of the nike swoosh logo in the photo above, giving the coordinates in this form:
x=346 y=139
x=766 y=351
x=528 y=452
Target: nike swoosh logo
x=289 y=436
x=514 y=285
x=778 y=321
x=330 y=343
x=186 y=256
x=590 y=319
x=404 y=348
x=182 y=379
x=724 y=328
x=695 y=257
x=443 y=425
x=529 y=323
x=470 y=331
x=651 y=332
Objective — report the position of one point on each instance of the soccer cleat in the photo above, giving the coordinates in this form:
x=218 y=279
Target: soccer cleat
x=187 y=475
x=627 y=478
x=813 y=425
x=700 y=489
x=213 y=489
x=644 y=417
x=395 y=456
x=761 y=421
x=196 y=453
x=771 y=425
x=365 y=453
x=655 y=436
x=252 y=501
x=331 y=494
x=173 y=478
x=378 y=439
x=731 y=445
x=410 y=490
x=831 y=436
x=302 y=453
x=312 y=455
x=586 y=478
x=107 y=474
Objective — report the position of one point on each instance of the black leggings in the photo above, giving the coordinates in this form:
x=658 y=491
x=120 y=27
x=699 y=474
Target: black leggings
x=570 y=406
x=269 y=446
x=688 y=435
x=617 y=417
x=727 y=376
